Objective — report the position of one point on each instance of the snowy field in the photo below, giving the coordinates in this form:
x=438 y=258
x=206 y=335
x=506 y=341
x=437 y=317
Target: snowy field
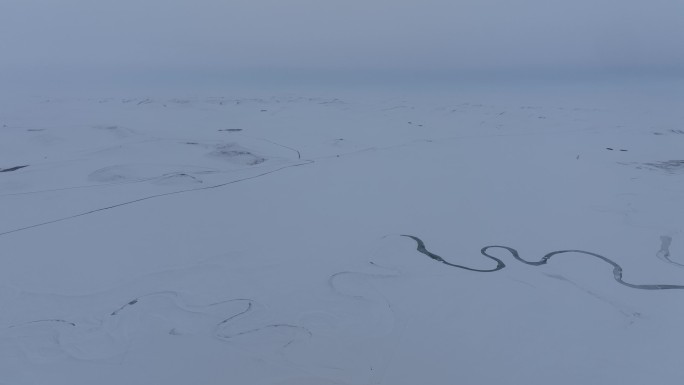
x=510 y=235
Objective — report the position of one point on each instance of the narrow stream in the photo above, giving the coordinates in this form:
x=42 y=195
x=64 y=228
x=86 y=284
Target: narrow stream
x=617 y=269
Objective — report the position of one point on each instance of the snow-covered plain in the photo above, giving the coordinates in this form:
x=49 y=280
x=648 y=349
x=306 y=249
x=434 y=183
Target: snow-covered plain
x=260 y=239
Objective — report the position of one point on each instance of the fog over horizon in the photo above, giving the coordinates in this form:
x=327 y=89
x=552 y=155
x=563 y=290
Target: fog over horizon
x=72 y=38
x=341 y=192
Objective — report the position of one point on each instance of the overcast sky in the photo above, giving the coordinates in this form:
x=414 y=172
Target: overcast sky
x=336 y=34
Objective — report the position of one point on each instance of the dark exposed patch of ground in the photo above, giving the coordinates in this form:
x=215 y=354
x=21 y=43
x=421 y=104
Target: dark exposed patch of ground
x=15 y=168
x=669 y=166
x=237 y=154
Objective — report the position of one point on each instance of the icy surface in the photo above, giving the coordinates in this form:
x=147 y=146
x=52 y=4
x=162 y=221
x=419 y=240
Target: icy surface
x=307 y=239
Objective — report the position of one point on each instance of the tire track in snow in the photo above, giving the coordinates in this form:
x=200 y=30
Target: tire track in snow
x=304 y=163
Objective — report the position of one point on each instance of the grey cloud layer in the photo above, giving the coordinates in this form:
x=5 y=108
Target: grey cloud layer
x=355 y=34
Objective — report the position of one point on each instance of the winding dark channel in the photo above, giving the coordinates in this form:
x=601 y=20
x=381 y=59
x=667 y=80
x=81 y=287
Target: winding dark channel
x=617 y=269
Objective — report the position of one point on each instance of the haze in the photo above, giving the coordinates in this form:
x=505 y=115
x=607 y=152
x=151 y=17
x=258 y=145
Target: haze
x=41 y=35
